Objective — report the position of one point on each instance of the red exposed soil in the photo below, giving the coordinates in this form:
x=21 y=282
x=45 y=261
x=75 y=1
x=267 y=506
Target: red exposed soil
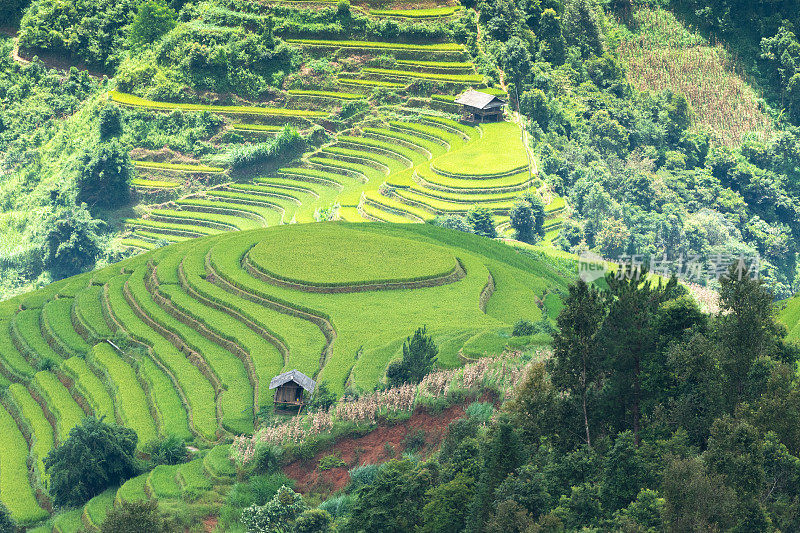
x=210 y=523
x=370 y=449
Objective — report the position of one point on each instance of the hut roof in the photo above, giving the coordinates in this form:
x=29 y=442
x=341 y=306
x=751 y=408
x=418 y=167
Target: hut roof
x=479 y=100
x=293 y=375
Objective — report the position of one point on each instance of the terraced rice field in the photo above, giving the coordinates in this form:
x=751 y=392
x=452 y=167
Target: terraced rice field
x=790 y=316
x=218 y=317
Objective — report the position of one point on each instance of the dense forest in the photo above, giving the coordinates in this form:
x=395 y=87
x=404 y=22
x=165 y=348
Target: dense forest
x=641 y=131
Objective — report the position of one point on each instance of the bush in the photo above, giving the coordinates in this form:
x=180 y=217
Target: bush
x=96 y=456
x=523 y=328
x=7 y=524
x=338 y=506
x=363 y=475
x=135 y=517
x=330 y=461
x=286 y=144
x=104 y=175
x=110 y=122
x=323 y=398
x=278 y=514
x=153 y=20
x=169 y=451
x=314 y=520
x=480 y=411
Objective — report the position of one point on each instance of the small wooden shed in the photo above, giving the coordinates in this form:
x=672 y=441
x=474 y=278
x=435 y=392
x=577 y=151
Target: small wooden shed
x=480 y=107
x=291 y=388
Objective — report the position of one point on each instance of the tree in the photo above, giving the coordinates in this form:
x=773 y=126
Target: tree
x=70 y=243
x=747 y=328
x=277 y=515
x=552 y=44
x=94 y=457
x=613 y=238
x=154 y=19
x=7 y=524
x=629 y=338
x=480 y=220
x=110 y=122
x=140 y=516
x=314 y=521
x=444 y=511
x=625 y=473
x=695 y=500
x=577 y=360
x=419 y=356
x=104 y=178
x=522 y=221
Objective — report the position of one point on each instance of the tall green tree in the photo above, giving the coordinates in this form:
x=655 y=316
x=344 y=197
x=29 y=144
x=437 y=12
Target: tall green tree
x=577 y=358
x=747 y=328
x=419 y=356
x=70 y=242
x=104 y=178
x=94 y=457
x=630 y=339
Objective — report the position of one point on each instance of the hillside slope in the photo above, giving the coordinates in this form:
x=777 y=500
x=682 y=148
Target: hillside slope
x=205 y=324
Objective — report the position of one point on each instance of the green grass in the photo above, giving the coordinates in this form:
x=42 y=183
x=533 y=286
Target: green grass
x=65 y=409
x=518 y=181
x=41 y=430
x=445 y=78
x=401 y=259
x=98 y=507
x=90 y=387
x=264 y=195
x=17 y=494
x=218 y=464
x=198 y=391
x=90 y=312
x=57 y=319
x=177 y=166
x=130 y=398
x=138 y=243
x=443 y=47
x=269 y=215
x=455 y=65
x=371 y=83
x=68 y=522
x=790 y=316
x=500 y=150
x=172 y=415
x=10 y=358
x=162 y=482
x=28 y=326
x=256 y=127
x=154 y=184
x=170 y=226
x=216 y=220
x=133 y=489
x=192 y=476
x=384 y=215
x=432 y=12
x=135 y=101
x=453 y=139
x=326 y=94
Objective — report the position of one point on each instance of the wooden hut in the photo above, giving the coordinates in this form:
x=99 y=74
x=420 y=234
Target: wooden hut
x=291 y=388
x=480 y=107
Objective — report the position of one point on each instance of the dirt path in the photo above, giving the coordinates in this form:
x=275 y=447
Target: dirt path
x=54 y=62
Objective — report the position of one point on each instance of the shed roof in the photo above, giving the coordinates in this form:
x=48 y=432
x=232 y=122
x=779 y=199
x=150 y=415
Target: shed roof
x=479 y=100
x=293 y=375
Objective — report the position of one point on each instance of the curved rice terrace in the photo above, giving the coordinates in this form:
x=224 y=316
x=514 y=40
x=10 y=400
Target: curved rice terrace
x=197 y=330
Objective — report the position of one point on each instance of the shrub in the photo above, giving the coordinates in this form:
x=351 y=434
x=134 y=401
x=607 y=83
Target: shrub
x=338 y=506
x=153 y=20
x=314 y=520
x=140 y=516
x=278 y=514
x=363 y=475
x=414 y=441
x=104 y=175
x=419 y=355
x=523 y=328
x=168 y=451
x=480 y=411
x=323 y=397
x=110 y=122
x=330 y=461
x=7 y=524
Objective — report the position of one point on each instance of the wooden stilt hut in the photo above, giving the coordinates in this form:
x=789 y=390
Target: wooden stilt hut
x=480 y=107
x=291 y=388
